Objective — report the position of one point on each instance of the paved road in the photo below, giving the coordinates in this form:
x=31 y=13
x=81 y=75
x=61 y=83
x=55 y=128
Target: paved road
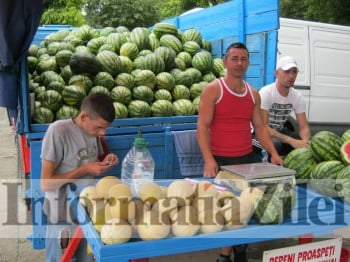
x=14 y=246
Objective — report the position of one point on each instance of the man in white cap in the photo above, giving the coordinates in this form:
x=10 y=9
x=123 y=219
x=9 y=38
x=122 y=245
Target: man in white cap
x=278 y=101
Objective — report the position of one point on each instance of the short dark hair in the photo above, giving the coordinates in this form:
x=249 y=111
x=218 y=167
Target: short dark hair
x=99 y=105
x=236 y=45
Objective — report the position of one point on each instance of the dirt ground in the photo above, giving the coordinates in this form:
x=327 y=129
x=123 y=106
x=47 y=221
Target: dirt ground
x=14 y=243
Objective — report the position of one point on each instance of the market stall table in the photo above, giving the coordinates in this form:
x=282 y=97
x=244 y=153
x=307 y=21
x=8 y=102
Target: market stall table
x=313 y=214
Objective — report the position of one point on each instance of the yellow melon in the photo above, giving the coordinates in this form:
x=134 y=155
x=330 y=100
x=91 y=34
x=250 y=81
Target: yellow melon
x=105 y=183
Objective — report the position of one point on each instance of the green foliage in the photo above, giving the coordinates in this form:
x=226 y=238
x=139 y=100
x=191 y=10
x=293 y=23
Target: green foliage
x=66 y=12
x=129 y=13
x=334 y=12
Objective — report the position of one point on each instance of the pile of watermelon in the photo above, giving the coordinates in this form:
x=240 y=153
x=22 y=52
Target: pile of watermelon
x=148 y=72
x=325 y=164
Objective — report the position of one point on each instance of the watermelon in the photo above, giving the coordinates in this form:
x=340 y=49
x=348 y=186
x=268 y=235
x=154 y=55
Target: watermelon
x=139 y=36
x=47 y=63
x=171 y=41
x=104 y=79
x=160 y=29
x=129 y=49
x=346 y=135
x=82 y=81
x=180 y=64
x=57 y=86
x=52 y=100
x=52 y=48
x=63 y=57
x=165 y=80
x=49 y=76
x=163 y=94
x=42 y=115
x=99 y=89
x=162 y=108
x=326 y=146
x=323 y=177
x=343 y=184
x=196 y=90
x=195 y=103
x=84 y=63
x=191 y=47
x=168 y=55
x=183 y=78
x=186 y=57
x=183 y=107
x=153 y=62
x=345 y=152
x=121 y=111
x=94 y=44
x=139 y=108
x=203 y=61
x=209 y=77
x=153 y=41
x=127 y=64
x=116 y=40
x=218 y=67
x=106 y=47
x=32 y=63
x=143 y=93
x=146 y=78
x=206 y=45
x=276 y=204
x=302 y=161
x=65 y=112
x=107 y=30
x=181 y=92
x=125 y=79
x=192 y=35
x=195 y=74
x=73 y=95
x=121 y=94
x=110 y=62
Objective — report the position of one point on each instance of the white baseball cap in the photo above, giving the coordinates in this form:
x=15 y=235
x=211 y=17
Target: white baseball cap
x=286 y=63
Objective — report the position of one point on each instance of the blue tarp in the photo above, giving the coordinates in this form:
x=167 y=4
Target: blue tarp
x=19 y=20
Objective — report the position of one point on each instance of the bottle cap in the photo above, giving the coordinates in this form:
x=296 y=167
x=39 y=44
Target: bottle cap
x=140 y=142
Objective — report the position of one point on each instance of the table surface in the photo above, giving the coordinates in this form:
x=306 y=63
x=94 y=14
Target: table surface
x=313 y=214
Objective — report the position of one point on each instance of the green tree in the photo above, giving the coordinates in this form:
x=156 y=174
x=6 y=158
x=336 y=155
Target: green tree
x=67 y=12
x=129 y=13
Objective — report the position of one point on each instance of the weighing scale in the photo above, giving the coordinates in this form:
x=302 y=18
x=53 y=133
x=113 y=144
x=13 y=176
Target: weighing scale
x=239 y=177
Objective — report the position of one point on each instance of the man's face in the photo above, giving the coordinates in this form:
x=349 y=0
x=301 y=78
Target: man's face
x=95 y=126
x=236 y=62
x=286 y=78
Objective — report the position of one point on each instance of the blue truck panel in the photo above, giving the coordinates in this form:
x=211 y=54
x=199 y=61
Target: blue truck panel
x=249 y=21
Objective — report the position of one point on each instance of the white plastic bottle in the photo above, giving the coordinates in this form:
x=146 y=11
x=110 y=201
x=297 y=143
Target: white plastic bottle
x=137 y=166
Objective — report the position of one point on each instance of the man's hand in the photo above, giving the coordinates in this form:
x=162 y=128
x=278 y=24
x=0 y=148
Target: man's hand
x=298 y=143
x=276 y=159
x=210 y=169
x=111 y=159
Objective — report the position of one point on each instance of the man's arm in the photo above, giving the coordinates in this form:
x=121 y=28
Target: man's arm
x=304 y=129
x=205 y=116
x=262 y=131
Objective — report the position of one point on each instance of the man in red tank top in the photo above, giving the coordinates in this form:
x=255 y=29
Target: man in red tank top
x=228 y=107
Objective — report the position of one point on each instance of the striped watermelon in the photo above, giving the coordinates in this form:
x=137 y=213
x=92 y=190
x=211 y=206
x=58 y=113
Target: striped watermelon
x=99 y=89
x=302 y=161
x=346 y=135
x=143 y=93
x=186 y=57
x=183 y=107
x=139 y=36
x=218 y=67
x=121 y=111
x=183 y=78
x=195 y=73
x=153 y=41
x=162 y=108
x=191 y=47
x=160 y=29
x=168 y=55
x=171 y=41
x=163 y=94
x=65 y=112
x=104 y=79
x=139 y=108
x=343 y=184
x=125 y=79
x=165 y=80
x=192 y=35
x=203 y=61
x=73 y=95
x=130 y=50
x=181 y=92
x=146 y=78
x=52 y=100
x=127 y=64
x=42 y=115
x=196 y=90
x=323 y=177
x=180 y=64
x=121 y=94
x=116 y=40
x=110 y=62
x=326 y=146
x=94 y=44
x=154 y=63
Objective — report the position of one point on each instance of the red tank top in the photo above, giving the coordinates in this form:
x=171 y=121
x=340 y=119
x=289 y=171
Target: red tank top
x=230 y=131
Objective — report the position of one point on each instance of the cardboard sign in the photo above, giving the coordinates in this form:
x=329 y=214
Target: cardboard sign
x=320 y=251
